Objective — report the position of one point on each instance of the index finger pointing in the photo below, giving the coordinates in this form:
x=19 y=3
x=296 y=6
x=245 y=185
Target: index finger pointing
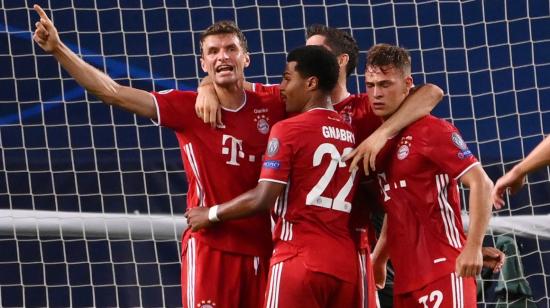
x=40 y=12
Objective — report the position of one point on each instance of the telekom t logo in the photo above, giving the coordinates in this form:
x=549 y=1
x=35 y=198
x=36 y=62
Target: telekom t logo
x=234 y=149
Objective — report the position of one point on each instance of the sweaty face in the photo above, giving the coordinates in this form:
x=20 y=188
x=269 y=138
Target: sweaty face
x=293 y=89
x=224 y=59
x=387 y=87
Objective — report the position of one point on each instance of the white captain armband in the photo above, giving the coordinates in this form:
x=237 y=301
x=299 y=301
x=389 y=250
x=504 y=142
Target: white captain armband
x=213 y=214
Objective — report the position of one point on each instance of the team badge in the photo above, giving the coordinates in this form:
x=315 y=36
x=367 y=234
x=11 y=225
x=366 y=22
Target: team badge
x=272 y=147
x=461 y=145
x=262 y=124
x=346 y=114
x=403 y=152
x=457 y=140
x=404 y=146
x=206 y=304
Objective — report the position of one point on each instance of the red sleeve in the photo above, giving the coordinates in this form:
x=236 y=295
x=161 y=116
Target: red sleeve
x=174 y=108
x=278 y=155
x=446 y=148
x=263 y=89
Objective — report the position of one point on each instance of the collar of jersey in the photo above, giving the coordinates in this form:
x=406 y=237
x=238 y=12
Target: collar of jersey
x=320 y=108
x=347 y=96
x=238 y=108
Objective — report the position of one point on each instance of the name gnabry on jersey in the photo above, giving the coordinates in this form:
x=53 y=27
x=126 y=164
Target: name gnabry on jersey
x=338 y=134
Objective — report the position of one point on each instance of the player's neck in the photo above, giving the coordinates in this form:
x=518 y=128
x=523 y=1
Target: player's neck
x=340 y=92
x=320 y=100
x=230 y=97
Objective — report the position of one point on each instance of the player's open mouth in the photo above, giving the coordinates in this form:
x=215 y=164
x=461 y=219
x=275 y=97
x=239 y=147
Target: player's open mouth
x=224 y=68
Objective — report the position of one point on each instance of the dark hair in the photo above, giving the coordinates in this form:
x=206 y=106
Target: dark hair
x=316 y=61
x=225 y=27
x=339 y=41
x=382 y=55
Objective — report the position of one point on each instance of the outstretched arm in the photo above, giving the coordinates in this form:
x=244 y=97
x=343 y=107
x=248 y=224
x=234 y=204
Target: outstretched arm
x=417 y=105
x=470 y=260
x=515 y=178
x=258 y=199
x=96 y=82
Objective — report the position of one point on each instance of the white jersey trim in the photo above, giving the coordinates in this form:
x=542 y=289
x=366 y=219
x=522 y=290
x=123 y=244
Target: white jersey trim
x=467 y=169
x=243 y=103
x=191 y=253
x=195 y=169
x=271 y=180
x=157 y=122
x=274 y=285
x=457 y=284
x=447 y=213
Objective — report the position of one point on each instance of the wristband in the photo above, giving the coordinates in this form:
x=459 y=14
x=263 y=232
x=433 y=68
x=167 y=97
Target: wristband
x=213 y=214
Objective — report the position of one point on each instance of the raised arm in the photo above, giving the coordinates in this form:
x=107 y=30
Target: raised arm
x=470 y=261
x=418 y=104
x=515 y=178
x=256 y=200
x=96 y=82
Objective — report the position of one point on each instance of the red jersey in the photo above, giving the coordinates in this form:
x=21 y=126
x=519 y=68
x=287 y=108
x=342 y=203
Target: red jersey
x=223 y=163
x=304 y=153
x=356 y=111
x=422 y=201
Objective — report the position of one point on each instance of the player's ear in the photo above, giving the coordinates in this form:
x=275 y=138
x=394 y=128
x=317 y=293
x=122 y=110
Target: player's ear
x=312 y=83
x=343 y=60
x=409 y=82
x=203 y=65
x=246 y=59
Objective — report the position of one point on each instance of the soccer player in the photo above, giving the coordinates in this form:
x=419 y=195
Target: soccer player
x=514 y=180
x=435 y=265
x=356 y=110
x=314 y=260
x=224 y=266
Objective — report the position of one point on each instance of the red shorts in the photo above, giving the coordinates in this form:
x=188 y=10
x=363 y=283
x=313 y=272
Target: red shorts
x=221 y=279
x=450 y=291
x=368 y=297
x=291 y=284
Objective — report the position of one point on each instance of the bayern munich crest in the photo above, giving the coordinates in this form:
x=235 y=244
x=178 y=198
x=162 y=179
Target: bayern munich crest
x=262 y=124
x=206 y=304
x=404 y=147
x=403 y=152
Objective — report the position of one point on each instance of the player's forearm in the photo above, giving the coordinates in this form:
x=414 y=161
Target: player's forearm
x=480 y=211
x=538 y=158
x=381 y=252
x=93 y=80
x=417 y=105
x=103 y=86
x=247 y=204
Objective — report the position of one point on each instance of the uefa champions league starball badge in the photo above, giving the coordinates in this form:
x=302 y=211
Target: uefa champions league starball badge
x=272 y=147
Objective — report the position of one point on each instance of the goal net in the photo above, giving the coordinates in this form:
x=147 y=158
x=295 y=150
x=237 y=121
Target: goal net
x=91 y=197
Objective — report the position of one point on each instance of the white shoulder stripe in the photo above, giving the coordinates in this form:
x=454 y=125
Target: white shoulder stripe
x=467 y=169
x=157 y=122
x=271 y=180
